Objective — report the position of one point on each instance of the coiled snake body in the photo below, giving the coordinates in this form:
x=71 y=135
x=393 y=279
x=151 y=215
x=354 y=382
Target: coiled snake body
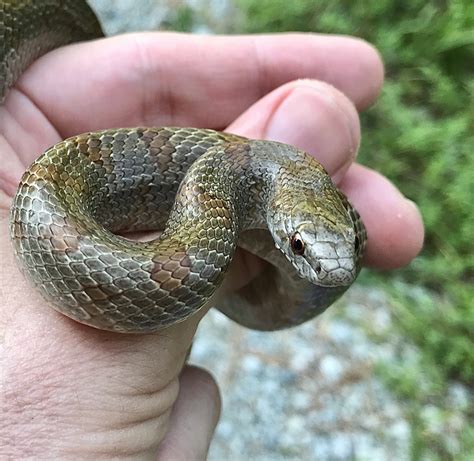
x=207 y=191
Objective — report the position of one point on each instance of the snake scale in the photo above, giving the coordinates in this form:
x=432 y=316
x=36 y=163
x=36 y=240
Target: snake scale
x=207 y=191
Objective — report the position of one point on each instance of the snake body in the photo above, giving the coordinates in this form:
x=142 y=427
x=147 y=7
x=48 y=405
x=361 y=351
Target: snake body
x=207 y=191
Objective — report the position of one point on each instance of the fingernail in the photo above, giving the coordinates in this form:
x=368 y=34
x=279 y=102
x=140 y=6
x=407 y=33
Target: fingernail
x=413 y=204
x=413 y=209
x=413 y=215
x=315 y=117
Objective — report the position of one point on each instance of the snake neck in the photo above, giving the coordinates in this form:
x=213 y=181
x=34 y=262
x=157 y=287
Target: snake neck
x=247 y=179
x=274 y=182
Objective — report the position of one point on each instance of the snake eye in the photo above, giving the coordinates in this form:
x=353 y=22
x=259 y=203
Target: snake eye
x=297 y=244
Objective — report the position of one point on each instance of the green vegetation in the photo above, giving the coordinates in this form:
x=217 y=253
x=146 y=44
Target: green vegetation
x=421 y=135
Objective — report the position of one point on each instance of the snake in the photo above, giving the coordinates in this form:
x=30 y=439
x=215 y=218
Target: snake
x=207 y=192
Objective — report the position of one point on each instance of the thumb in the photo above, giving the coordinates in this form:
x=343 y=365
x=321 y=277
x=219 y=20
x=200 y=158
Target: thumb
x=193 y=418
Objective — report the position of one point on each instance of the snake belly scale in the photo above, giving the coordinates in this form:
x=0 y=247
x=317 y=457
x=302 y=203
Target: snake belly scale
x=207 y=191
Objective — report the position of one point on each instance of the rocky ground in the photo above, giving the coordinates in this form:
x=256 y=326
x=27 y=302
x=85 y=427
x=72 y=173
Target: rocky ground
x=306 y=393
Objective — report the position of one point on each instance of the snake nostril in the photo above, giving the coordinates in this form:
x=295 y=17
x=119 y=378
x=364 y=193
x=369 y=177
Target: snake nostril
x=317 y=268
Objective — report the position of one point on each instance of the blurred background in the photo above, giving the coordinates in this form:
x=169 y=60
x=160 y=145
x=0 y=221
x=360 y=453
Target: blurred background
x=388 y=372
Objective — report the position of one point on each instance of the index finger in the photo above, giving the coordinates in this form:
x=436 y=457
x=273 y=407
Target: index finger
x=181 y=79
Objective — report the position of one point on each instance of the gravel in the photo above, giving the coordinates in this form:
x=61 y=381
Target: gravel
x=305 y=393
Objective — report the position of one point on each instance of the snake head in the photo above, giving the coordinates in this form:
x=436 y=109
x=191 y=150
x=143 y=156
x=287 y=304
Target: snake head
x=322 y=236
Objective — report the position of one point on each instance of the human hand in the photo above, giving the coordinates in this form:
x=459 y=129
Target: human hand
x=70 y=391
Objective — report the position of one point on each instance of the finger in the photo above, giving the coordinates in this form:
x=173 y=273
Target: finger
x=178 y=79
x=394 y=224
x=193 y=419
x=308 y=114
x=319 y=119
x=311 y=115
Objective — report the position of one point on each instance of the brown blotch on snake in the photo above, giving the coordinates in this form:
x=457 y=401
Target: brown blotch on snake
x=207 y=191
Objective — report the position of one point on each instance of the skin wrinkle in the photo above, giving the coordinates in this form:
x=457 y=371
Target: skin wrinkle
x=151 y=381
x=329 y=63
x=199 y=384
x=331 y=74
x=353 y=136
x=378 y=76
x=48 y=372
x=162 y=100
x=21 y=123
x=148 y=408
x=262 y=79
x=277 y=103
x=126 y=441
x=8 y=173
x=336 y=99
x=152 y=373
x=150 y=413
